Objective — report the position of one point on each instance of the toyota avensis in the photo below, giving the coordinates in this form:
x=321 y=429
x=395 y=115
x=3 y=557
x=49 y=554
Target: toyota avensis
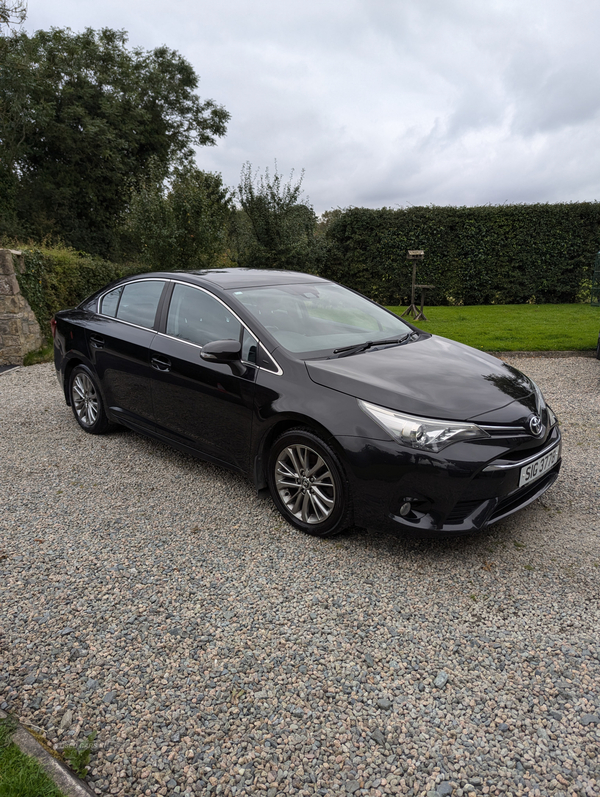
x=345 y=412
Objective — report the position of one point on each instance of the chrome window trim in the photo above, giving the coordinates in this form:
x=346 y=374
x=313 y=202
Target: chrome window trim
x=199 y=347
x=129 y=323
x=279 y=371
x=116 y=287
x=523 y=462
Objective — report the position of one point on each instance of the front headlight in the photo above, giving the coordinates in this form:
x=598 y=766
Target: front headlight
x=426 y=434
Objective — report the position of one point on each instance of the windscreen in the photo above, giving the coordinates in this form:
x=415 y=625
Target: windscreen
x=315 y=319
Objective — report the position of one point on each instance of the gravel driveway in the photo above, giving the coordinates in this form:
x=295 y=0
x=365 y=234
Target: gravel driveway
x=157 y=600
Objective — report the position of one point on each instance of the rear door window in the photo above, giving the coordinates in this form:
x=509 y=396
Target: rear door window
x=139 y=302
x=110 y=302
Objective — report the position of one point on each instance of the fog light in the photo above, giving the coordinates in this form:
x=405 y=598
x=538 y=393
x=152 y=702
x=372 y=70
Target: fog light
x=405 y=509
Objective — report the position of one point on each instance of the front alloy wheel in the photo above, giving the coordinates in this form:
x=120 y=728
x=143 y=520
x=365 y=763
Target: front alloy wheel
x=306 y=483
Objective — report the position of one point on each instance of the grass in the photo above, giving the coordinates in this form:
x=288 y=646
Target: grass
x=516 y=327
x=20 y=775
x=43 y=355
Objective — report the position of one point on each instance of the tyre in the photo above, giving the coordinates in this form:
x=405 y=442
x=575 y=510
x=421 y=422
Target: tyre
x=308 y=485
x=86 y=401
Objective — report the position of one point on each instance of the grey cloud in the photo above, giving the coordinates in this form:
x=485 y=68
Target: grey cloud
x=387 y=101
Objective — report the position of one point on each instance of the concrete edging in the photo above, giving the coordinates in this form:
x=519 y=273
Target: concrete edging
x=554 y=354
x=58 y=772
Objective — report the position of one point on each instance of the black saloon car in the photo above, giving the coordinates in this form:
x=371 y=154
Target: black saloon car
x=348 y=414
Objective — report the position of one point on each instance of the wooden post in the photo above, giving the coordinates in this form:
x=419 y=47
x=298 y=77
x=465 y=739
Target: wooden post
x=415 y=255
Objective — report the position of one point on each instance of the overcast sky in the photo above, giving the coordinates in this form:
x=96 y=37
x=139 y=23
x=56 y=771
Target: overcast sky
x=386 y=102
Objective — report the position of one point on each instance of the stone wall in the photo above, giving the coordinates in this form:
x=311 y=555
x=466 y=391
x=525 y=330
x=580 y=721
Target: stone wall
x=19 y=330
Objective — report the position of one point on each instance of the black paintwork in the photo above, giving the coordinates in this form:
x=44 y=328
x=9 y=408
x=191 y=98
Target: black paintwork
x=434 y=377
x=230 y=413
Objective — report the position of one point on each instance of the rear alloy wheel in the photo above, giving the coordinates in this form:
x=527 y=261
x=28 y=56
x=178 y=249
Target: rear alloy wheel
x=86 y=401
x=307 y=484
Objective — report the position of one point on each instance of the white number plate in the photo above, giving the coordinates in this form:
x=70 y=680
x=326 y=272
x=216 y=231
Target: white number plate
x=537 y=469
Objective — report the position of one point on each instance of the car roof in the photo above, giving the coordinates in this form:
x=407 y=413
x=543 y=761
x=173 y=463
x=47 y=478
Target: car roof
x=229 y=278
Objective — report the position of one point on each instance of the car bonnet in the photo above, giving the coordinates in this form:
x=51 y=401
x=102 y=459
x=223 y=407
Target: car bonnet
x=433 y=377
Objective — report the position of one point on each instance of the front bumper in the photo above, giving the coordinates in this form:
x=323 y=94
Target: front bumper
x=474 y=485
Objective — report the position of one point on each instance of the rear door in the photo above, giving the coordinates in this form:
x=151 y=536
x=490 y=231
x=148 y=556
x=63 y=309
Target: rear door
x=206 y=406
x=119 y=340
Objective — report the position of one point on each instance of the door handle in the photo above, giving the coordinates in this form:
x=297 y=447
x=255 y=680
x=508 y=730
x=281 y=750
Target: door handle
x=161 y=363
x=96 y=341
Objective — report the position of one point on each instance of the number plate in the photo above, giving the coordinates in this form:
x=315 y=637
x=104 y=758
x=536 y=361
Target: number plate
x=537 y=469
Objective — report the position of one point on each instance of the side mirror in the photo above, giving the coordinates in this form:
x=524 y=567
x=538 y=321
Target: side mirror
x=222 y=351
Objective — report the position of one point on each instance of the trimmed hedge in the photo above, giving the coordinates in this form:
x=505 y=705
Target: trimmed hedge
x=56 y=278
x=509 y=254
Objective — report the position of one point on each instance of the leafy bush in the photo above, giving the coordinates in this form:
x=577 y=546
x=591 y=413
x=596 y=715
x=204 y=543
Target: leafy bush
x=57 y=278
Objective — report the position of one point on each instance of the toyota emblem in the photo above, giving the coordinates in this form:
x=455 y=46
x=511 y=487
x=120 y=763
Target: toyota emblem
x=535 y=425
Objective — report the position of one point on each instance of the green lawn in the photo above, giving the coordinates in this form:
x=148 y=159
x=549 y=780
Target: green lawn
x=516 y=327
x=20 y=775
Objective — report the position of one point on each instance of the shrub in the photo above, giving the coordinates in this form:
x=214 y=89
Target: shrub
x=56 y=278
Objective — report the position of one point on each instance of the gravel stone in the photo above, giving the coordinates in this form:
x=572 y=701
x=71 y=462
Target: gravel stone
x=67 y=720
x=378 y=736
x=441 y=680
x=242 y=657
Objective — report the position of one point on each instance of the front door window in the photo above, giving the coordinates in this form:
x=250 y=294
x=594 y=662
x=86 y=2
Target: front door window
x=199 y=318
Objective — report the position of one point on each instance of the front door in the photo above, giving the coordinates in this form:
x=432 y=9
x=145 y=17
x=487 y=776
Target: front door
x=206 y=406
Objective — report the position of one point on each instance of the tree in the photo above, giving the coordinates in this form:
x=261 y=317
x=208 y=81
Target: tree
x=278 y=229
x=179 y=224
x=13 y=13
x=82 y=117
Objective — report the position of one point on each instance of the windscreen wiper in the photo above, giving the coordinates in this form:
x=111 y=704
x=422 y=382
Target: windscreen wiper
x=357 y=348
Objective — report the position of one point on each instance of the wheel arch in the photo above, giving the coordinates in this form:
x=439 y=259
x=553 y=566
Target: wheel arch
x=72 y=363
x=277 y=429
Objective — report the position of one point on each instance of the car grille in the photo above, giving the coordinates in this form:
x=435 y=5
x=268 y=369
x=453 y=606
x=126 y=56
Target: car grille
x=523 y=496
x=462 y=509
